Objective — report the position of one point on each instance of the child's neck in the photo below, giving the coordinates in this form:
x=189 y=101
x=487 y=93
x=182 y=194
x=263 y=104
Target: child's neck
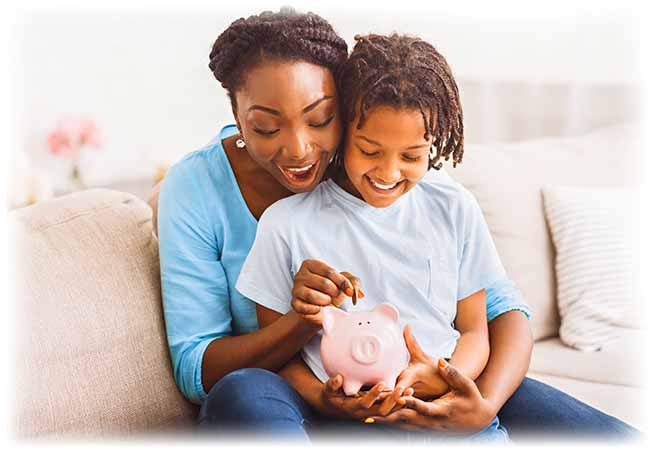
x=342 y=180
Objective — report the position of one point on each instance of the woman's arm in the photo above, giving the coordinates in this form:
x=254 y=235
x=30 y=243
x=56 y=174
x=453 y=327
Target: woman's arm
x=511 y=345
x=472 y=349
x=268 y=348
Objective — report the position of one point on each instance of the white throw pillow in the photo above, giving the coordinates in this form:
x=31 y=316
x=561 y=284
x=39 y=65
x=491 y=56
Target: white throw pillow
x=596 y=237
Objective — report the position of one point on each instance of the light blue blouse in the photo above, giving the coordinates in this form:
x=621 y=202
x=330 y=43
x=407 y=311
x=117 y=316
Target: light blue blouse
x=206 y=231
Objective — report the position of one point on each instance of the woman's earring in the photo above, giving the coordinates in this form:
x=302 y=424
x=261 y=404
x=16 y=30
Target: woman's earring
x=240 y=143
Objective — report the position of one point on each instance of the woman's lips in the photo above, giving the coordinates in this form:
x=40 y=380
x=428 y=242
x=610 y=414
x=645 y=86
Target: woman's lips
x=300 y=175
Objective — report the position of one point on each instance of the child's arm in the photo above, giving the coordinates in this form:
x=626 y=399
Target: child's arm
x=473 y=346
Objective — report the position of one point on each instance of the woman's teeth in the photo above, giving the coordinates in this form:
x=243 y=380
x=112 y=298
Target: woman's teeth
x=299 y=173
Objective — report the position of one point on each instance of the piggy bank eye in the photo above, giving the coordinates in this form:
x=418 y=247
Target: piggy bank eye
x=360 y=323
x=368 y=323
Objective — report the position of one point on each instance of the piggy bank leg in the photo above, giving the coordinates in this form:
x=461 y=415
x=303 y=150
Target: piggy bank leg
x=351 y=387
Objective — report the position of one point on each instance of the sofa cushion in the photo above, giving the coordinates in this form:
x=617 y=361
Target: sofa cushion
x=596 y=237
x=507 y=181
x=92 y=353
x=621 y=364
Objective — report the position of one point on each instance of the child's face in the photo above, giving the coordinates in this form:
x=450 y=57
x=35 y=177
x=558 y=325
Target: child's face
x=388 y=156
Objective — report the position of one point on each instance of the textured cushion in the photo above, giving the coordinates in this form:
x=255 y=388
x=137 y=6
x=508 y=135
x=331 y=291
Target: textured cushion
x=621 y=365
x=596 y=236
x=507 y=181
x=92 y=353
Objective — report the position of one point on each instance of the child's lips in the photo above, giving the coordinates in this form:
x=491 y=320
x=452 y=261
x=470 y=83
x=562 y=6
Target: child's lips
x=383 y=188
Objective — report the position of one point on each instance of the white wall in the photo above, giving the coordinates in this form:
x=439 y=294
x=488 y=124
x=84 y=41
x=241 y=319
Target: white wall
x=143 y=73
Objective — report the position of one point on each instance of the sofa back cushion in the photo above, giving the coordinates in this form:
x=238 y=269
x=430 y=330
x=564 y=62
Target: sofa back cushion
x=507 y=181
x=92 y=357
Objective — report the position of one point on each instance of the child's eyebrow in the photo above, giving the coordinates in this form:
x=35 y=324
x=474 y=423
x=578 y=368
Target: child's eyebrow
x=368 y=140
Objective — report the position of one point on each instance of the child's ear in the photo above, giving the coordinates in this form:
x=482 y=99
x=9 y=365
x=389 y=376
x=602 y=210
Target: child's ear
x=388 y=310
x=330 y=315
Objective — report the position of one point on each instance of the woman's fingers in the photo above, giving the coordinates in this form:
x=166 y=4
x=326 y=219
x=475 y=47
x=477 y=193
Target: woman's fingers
x=425 y=408
x=372 y=395
x=389 y=402
x=456 y=380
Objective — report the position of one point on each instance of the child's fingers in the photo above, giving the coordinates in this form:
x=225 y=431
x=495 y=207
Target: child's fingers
x=334 y=384
x=320 y=268
x=304 y=308
x=309 y=295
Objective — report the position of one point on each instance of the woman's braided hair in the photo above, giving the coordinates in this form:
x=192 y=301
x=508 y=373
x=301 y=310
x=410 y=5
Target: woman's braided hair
x=404 y=72
x=285 y=35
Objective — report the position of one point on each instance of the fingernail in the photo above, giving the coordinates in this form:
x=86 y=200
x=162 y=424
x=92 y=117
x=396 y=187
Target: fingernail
x=361 y=294
x=442 y=363
x=349 y=292
x=401 y=402
x=369 y=420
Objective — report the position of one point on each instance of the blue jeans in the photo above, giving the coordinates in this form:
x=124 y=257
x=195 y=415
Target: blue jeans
x=257 y=404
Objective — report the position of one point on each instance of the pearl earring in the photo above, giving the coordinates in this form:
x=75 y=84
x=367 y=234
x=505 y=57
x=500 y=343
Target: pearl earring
x=240 y=143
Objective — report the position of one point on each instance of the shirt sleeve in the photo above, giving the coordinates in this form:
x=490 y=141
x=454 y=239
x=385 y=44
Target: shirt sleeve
x=266 y=277
x=503 y=296
x=480 y=265
x=196 y=303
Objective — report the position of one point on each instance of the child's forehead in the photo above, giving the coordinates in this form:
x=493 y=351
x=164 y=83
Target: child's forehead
x=387 y=124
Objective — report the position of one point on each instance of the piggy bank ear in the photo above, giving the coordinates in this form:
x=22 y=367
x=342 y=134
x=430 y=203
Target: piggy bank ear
x=388 y=310
x=330 y=315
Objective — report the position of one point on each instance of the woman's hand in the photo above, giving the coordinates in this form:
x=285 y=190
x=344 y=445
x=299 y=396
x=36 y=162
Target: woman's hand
x=339 y=405
x=422 y=374
x=316 y=285
x=461 y=410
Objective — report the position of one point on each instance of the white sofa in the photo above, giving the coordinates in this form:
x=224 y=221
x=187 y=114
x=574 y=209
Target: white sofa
x=92 y=354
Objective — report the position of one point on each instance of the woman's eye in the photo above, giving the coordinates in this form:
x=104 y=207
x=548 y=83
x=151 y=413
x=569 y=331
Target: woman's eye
x=322 y=124
x=265 y=132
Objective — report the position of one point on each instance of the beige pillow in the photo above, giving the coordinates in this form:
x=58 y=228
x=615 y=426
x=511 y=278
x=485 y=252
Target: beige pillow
x=507 y=181
x=596 y=237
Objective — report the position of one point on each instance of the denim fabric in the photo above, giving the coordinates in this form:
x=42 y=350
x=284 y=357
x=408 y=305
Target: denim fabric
x=257 y=404
x=537 y=408
x=253 y=404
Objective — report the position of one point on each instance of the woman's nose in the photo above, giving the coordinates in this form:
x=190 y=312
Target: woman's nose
x=297 y=147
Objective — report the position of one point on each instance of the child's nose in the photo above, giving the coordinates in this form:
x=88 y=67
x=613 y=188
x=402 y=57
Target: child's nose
x=389 y=172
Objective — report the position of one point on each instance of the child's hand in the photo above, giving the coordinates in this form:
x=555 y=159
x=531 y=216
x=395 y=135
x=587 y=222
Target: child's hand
x=339 y=405
x=422 y=375
x=316 y=285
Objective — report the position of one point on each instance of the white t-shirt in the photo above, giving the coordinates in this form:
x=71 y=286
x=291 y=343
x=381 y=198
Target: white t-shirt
x=422 y=254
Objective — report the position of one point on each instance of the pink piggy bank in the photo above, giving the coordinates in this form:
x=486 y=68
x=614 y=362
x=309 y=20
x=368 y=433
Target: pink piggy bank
x=366 y=347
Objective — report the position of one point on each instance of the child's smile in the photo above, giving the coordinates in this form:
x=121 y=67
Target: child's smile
x=387 y=157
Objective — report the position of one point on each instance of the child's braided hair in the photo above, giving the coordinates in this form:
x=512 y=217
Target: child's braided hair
x=285 y=35
x=404 y=72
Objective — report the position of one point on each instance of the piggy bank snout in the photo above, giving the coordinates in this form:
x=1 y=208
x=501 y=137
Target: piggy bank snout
x=366 y=349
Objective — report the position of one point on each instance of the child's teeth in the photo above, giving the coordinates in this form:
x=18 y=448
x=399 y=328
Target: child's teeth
x=384 y=186
x=300 y=170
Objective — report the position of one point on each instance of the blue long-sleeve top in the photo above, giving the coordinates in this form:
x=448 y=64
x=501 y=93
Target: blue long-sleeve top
x=205 y=232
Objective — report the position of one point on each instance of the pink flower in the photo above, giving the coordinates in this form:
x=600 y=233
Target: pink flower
x=73 y=133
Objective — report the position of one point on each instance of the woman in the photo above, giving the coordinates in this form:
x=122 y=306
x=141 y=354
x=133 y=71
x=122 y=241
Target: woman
x=278 y=69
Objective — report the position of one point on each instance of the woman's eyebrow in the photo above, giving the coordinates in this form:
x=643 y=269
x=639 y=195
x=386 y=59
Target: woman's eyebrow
x=311 y=106
x=275 y=112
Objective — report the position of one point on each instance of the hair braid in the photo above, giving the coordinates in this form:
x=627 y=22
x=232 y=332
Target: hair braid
x=405 y=72
x=284 y=35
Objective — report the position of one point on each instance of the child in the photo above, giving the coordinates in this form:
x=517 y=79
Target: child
x=413 y=236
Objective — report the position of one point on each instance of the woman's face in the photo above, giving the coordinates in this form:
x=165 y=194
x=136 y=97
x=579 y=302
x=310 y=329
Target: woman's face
x=288 y=115
x=387 y=157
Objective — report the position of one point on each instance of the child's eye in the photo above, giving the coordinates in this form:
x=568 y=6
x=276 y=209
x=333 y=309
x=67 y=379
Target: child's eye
x=322 y=124
x=412 y=158
x=367 y=153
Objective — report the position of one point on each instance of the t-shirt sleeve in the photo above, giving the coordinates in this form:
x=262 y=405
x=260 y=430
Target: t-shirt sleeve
x=196 y=302
x=266 y=276
x=480 y=265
